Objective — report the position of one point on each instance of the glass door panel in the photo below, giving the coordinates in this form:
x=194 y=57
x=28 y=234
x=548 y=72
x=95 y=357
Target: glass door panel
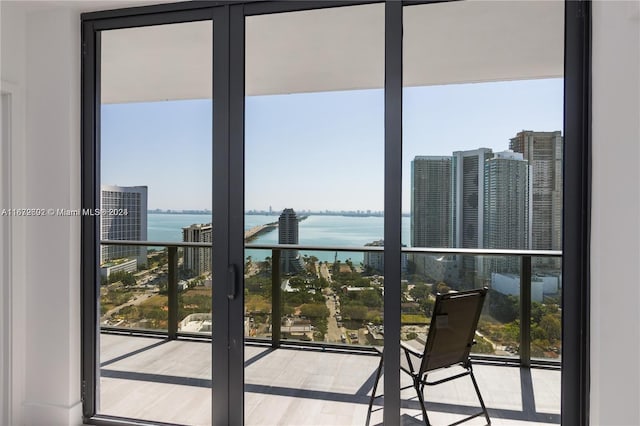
x=314 y=178
x=156 y=188
x=482 y=169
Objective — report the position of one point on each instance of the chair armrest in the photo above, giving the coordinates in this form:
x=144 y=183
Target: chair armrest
x=411 y=350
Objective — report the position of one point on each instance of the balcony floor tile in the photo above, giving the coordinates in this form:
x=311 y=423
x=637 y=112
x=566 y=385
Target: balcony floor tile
x=170 y=381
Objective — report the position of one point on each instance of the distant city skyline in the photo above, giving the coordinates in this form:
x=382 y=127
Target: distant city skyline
x=315 y=151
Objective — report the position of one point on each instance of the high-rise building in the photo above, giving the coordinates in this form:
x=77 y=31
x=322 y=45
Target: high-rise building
x=126 y=220
x=288 y=234
x=468 y=209
x=506 y=208
x=432 y=209
x=431 y=201
x=197 y=260
x=468 y=196
x=543 y=151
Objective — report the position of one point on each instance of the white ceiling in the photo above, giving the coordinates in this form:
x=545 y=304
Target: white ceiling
x=474 y=41
x=166 y=62
x=340 y=49
x=79 y=5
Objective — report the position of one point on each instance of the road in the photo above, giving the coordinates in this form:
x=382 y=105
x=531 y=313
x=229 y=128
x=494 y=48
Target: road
x=257 y=230
x=137 y=299
x=324 y=272
x=333 y=332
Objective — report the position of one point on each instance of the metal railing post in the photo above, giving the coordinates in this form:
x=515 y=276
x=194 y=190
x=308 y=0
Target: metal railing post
x=276 y=299
x=172 y=293
x=525 y=311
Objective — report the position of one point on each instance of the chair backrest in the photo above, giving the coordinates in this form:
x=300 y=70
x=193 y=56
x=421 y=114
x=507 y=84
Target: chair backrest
x=453 y=327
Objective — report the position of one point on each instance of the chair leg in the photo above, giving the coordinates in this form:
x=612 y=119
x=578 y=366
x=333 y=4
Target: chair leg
x=375 y=387
x=475 y=385
x=417 y=384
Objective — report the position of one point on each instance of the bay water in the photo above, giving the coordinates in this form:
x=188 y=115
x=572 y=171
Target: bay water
x=317 y=230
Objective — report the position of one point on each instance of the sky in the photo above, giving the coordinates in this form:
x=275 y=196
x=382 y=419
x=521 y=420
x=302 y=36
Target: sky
x=315 y=151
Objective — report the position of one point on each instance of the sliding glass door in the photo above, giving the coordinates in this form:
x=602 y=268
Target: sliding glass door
x=279 y=189
x=483 y=136
x=157 y=143
x=314 y=178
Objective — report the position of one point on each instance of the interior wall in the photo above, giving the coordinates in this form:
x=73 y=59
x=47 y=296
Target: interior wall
x=5 y=260
x=615 y=225
x=13 y=81
x=53 y=243
x=41 y=63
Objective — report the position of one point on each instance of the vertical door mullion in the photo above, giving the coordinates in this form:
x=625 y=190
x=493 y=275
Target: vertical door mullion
x=236 y=211
x=576 y=214
x=221 y=230
x=90 y=234
x=392 y=208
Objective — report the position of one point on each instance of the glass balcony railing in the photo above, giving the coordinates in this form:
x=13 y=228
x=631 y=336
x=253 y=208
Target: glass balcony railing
x=334 y=297
x=163 y=290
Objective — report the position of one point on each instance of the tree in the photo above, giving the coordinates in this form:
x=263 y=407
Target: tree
x=371 y=298
x=420 y=292
x=287 y=309
x=355 y=312
x=551 y=327
x=297 y=283
x=482 y=347
x=125 y=278
x=441 y=288
x=314 y=310
x=512 y=332
x=427 y=306
x=539 y=310
x=502 y=307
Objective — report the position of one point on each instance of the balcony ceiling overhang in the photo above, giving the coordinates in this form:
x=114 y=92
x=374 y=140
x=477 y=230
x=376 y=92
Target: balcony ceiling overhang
x=341 y=49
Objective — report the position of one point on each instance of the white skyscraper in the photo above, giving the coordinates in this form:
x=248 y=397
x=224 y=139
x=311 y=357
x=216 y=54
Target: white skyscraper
x=506 y=208
x=468 y=188
x=131 y=200
x=468 y=211
x=197 y=260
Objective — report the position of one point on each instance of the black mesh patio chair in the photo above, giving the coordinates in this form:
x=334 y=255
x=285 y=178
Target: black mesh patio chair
x=451 y=336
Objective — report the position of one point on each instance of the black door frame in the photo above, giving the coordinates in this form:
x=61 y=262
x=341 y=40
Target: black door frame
x=228 y=153
x=90 y=233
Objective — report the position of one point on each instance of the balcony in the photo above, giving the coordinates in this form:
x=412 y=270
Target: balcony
x=316 y=387
x=306 y=377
